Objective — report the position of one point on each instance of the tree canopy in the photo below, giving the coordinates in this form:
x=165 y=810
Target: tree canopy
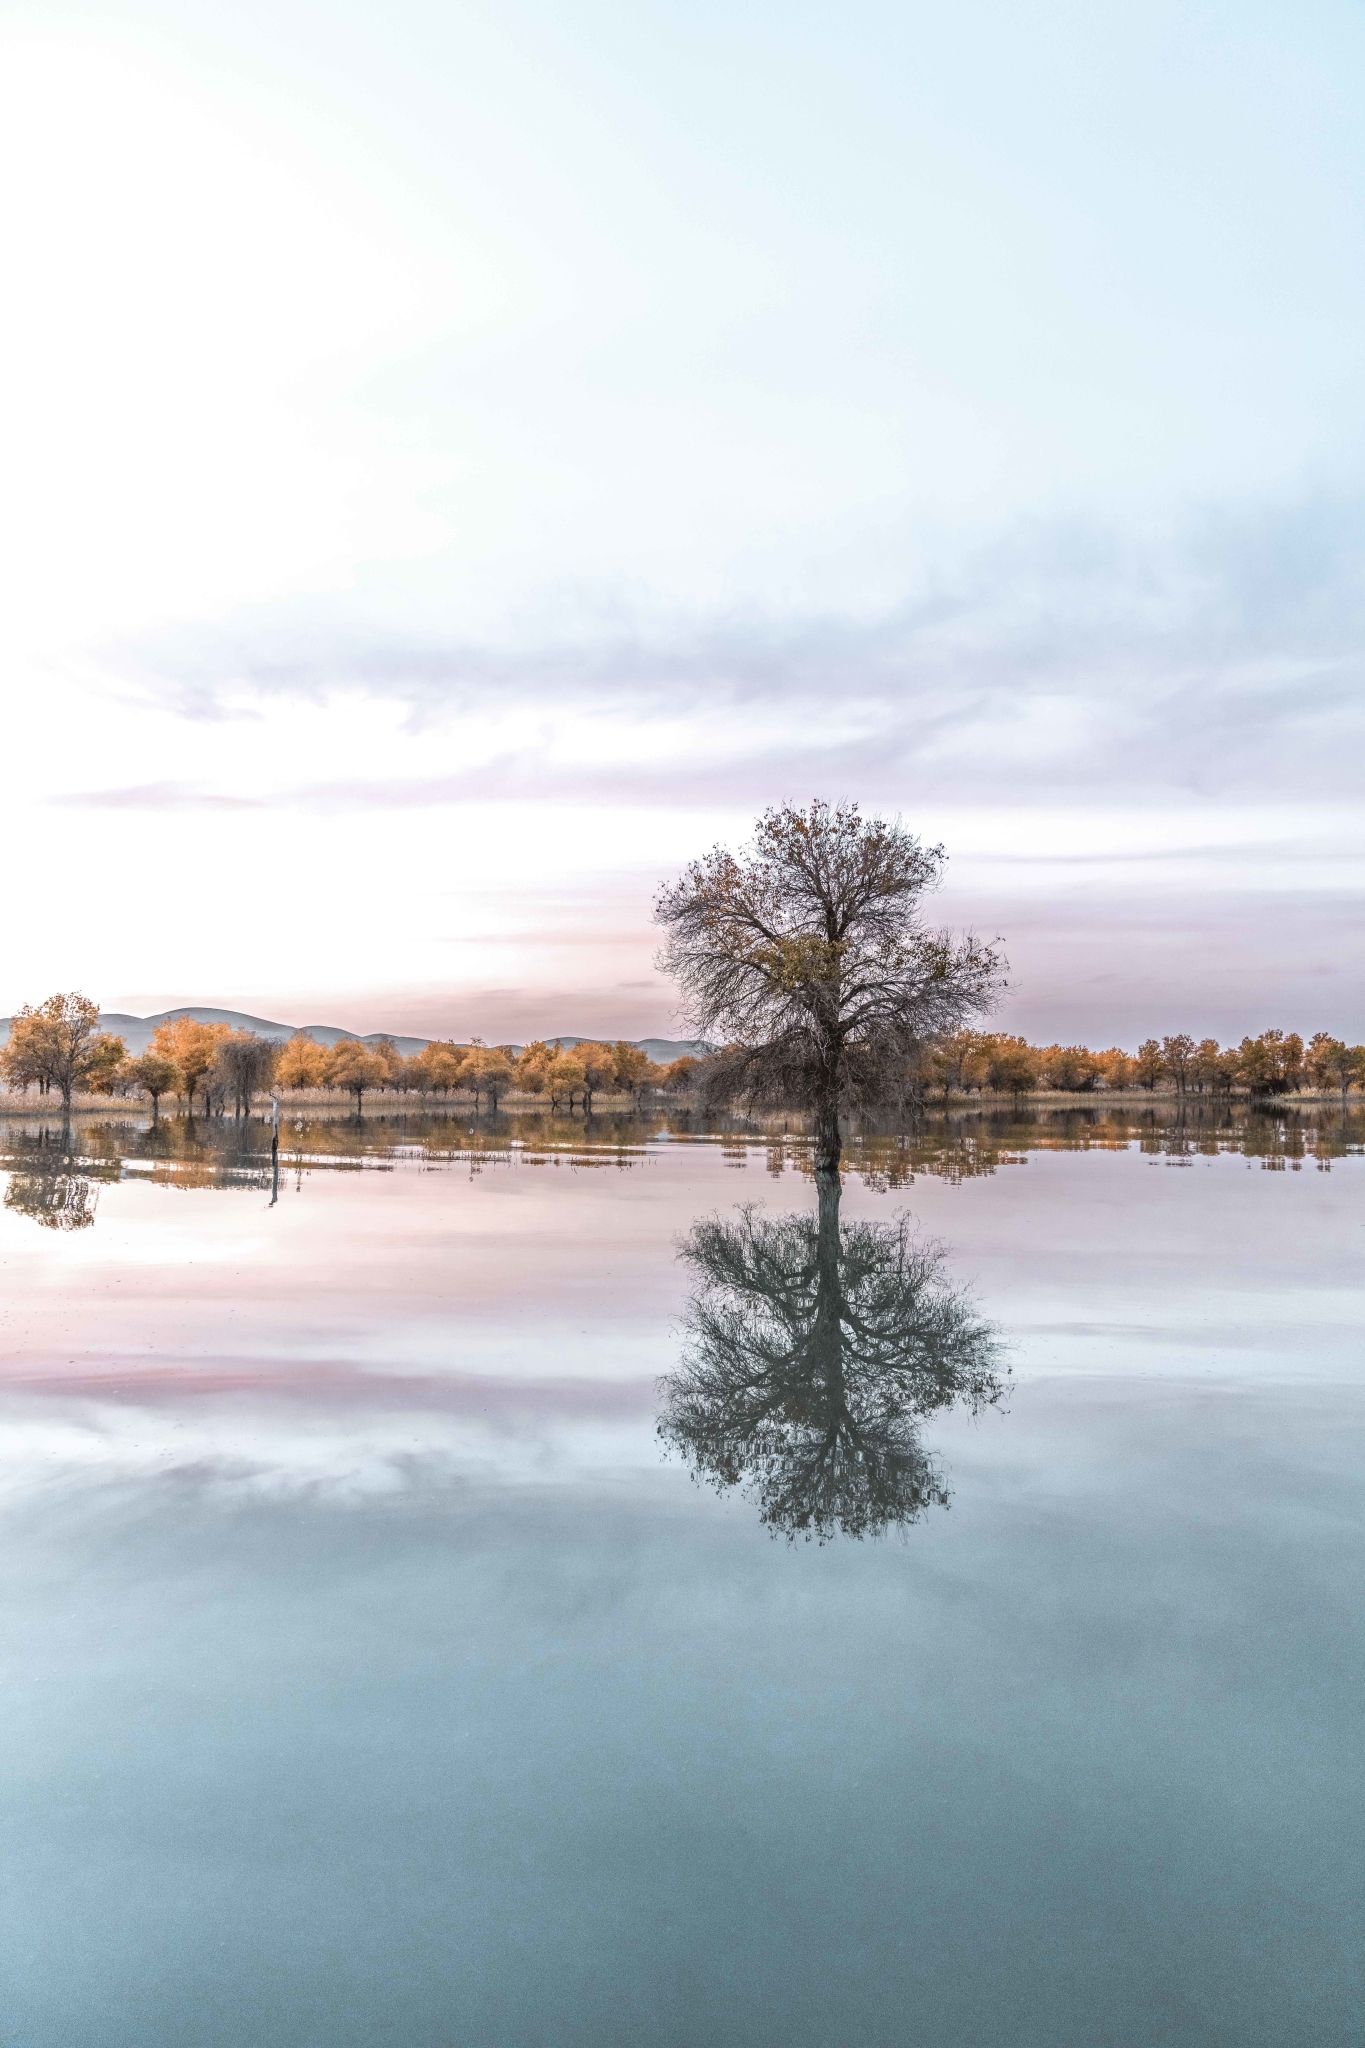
x=807 y=953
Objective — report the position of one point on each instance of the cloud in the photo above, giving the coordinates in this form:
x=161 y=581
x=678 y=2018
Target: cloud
x=1144 y=750
x=138 y=1382
x=1221 y=653
x=156 y=796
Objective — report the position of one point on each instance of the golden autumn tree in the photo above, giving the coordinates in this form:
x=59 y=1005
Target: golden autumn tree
x=1331 y=1063
x=533 y=1067
x=1207 y=1068
x=1271 y=1063
x=488 y=1070
x=1177 y=1053
x=951 y=1063
x=632 y=1067
x=442 y=1065
x=599 y=1068
x=565 y=1078
x=390 y=1059
x=302 y=1063
x=192 y=1048
x=108 y=1064
x=411 y=1075
x=976 y=1067
x=152 y=1074
x=1070 y=1069
x=23 y=1063
x=1116 y=1067
x=58 y=1045
x=1011 y=1064
x=356 y=1067
x=1067 y=1068
x=1149 y=1065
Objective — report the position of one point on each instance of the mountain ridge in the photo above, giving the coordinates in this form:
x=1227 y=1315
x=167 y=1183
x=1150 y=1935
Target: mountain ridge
x=136 y=1032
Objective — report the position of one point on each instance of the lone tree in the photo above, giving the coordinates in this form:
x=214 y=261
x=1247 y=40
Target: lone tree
x=807 y=953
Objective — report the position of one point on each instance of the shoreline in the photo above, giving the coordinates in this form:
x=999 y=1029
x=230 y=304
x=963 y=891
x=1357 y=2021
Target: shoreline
x=393 y=1102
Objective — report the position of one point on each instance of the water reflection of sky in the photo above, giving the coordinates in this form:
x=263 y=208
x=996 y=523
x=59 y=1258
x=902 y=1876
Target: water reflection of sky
x=379 y=1325
x=372 y=1676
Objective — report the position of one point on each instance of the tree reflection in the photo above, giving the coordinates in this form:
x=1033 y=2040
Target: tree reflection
x=814 y=1351
x=54 y=1186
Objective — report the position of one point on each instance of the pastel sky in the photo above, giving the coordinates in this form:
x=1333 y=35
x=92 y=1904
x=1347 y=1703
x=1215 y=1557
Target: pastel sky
x=462 y=460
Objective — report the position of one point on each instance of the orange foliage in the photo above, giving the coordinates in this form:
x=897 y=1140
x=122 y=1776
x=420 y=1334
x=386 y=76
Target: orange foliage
x=302 y=1063
x=191 y=1048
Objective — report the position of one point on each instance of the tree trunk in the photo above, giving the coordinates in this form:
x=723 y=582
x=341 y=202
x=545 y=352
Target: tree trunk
x=828 y=1143
x=827 y=1191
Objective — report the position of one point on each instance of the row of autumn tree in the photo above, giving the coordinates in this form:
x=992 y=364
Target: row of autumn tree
x=566 y=1076
x=58 y=1048
x=1273 y=1063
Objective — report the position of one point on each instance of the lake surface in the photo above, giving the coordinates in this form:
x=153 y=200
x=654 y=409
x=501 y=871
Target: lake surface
x=450 y=1597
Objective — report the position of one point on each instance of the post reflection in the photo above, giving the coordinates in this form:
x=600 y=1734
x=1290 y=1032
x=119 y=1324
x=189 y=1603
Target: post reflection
x=814 y=1351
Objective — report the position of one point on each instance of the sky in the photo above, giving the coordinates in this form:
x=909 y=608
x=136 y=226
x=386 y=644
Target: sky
x=461 y=461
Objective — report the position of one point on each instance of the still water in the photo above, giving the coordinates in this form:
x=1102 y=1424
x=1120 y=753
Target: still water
x=522 y=1585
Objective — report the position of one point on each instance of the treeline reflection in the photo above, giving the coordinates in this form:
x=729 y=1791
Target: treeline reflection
x=962 y=1147
x=53 y=1169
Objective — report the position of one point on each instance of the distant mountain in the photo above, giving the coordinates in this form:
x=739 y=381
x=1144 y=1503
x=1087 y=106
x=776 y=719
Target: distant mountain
x=661 y=1050
x=136 y=1032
